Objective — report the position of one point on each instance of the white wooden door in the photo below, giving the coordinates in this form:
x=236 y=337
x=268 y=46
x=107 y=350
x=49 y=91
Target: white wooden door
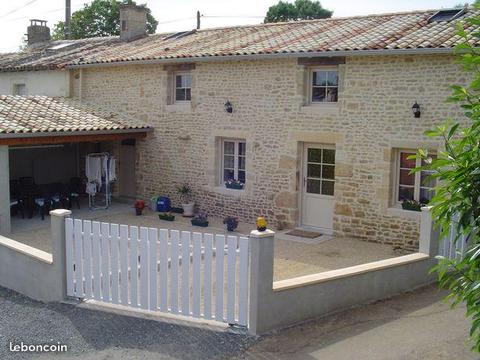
x=318 y=186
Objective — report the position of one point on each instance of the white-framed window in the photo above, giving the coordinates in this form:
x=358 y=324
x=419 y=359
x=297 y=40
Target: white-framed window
x=233 y=160
x=323 y=85
x=417 y=186
x=320 y=171
x=19 y=89
x=182 y=87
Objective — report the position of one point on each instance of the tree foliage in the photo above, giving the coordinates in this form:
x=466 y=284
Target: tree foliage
x=457 y=195
x=99 y=18
x=300 y=10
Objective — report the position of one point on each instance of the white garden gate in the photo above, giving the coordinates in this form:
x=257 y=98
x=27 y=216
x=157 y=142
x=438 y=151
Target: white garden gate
x=450 y=248
x=179 y=272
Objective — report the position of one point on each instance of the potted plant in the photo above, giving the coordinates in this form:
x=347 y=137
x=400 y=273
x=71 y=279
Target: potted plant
x=186 y=197
x=412 y=205
x=234 y=184
x=201 y=219
x=231 y=223
x=176 y=210
x=167 y=216
x=139 y=205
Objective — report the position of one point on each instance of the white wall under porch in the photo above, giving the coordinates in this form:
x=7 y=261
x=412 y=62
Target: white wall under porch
x=4 y=191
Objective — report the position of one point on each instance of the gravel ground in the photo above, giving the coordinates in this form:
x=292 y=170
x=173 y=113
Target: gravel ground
x=417 y=325
x=294 y=256
x=93 y=334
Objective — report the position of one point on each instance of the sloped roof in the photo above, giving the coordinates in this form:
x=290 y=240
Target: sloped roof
x=397 y=31
x=38 y=115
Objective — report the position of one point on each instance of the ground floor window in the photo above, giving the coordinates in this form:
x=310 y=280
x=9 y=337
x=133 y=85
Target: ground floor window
x=233 y=160
x=418 y=186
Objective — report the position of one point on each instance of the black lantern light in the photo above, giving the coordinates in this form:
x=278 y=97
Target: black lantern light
x=228 y=107
x=416 y=110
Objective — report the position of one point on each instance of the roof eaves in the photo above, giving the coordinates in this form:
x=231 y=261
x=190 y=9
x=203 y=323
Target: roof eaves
x=269 y=55
x=10 y=135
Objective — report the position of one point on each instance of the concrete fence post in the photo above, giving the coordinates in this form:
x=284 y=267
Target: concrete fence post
x=57 y=218
x=429 y=236
x=5 y=193
x=261 y=276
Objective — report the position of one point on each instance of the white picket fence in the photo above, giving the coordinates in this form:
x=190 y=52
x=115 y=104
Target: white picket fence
x=451 y=249
x=179 y=272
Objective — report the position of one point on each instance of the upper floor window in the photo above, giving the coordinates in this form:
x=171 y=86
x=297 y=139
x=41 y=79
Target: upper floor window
x=19 y=89
x=418 y=186
x=233 y=160
x=183 y=87
x=324 y=86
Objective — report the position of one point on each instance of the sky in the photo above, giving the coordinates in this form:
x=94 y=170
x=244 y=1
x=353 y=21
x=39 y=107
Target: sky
x=178 y=15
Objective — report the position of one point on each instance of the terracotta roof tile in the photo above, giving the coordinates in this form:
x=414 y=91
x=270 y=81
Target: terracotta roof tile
x=43 y=114
x=373 y=32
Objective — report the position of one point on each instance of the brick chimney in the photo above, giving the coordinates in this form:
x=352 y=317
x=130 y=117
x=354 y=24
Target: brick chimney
x=133 y=22
x=38 y=32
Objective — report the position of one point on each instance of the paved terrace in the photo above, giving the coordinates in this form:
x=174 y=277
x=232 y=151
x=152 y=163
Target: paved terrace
x=294 y=256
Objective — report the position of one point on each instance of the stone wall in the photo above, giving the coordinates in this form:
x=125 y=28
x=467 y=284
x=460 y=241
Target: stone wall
x=372 y=119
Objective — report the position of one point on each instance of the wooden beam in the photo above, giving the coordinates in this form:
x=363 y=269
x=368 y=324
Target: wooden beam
x=70 y=139
x=319 y=61
x=179 y=67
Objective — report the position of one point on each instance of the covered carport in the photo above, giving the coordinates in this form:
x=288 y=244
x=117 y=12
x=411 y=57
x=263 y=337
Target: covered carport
x=45 y=140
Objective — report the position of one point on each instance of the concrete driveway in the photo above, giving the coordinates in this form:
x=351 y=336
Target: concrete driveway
x=417 y=325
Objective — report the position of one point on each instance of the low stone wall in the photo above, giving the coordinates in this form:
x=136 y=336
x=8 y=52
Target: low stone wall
x=286 y=302
x=32 y=272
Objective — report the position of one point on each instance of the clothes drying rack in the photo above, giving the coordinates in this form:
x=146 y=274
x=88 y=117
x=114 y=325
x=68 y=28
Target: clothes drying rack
x=104 y=189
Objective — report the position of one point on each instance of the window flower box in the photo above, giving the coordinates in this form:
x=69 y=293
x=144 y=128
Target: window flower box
x=412 y=205
x=234 y=184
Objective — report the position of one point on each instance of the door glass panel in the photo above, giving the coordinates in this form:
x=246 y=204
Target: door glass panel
x=313 y=186
x=313 y=170
x=328 y=172
x=320 y=165
x=328 y=187
x=328 y=156
x=314 y=155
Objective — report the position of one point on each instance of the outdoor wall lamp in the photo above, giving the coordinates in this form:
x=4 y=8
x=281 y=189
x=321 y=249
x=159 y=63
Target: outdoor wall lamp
x=416 y=110
x=228 y=107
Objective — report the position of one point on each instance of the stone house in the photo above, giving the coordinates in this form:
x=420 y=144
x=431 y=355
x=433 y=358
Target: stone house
x=313 y=118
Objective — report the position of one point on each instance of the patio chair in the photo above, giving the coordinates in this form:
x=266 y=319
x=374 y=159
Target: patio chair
x=28 y=190
x=76 y=188
x=45 y=199
x=16 y=202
